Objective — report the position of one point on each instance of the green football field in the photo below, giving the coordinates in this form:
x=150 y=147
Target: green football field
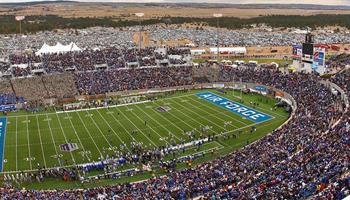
x=34 y=140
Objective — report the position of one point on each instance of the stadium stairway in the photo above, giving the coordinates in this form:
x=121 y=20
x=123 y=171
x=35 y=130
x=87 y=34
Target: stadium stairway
x=13 y=89
x=47 y=91
x=208 y=74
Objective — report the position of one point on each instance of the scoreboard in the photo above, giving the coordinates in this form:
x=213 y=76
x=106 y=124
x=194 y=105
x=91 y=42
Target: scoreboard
x=308 y=49
x=309 y=56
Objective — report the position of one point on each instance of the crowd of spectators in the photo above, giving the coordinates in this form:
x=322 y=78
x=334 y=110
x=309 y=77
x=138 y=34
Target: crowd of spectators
x=339 y=61
x=100 y=82
x=93 y=72
x=10 y=98
x=21 y=71
x=37 y=88
x=30 y=88
x=306 y=157
x=90 y=60
x=342 y=79
x=340 y=186
x=60 y=85
x=4 y=66
x=5 y=86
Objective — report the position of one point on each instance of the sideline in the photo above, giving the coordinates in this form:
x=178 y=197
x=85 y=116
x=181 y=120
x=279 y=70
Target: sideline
x=102 y=107
x=3 y=121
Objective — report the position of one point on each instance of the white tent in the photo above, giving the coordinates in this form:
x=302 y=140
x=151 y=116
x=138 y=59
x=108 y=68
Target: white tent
x=197 y=51
x=229 y=50
x=58 y=48
x=43 y=49
x=74 y=47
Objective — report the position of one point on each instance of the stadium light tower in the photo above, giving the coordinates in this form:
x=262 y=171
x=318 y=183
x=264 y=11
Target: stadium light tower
x=140 y=15
x=217 y=16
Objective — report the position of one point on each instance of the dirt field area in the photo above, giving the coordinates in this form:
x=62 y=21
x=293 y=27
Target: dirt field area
x=253 y=51
x=105 y=10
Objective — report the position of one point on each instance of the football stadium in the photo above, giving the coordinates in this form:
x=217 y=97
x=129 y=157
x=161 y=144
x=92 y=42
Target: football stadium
x=111 y=100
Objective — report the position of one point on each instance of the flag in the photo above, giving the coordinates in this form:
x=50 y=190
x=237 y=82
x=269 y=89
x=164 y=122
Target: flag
x=20 y=18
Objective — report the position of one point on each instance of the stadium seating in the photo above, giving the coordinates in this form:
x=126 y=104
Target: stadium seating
x=308 y=157
x=88 y=60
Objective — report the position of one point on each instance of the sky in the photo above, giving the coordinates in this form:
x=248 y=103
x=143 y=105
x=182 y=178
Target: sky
x=321 y=2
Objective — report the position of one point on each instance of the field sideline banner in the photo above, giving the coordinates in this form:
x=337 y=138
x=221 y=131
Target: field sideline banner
x=234 y=107
x=7 y=107
x=2 y=140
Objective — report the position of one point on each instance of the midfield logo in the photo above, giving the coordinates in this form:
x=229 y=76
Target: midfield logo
x=69 y=147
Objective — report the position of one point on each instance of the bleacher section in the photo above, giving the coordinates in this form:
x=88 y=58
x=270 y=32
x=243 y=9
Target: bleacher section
x=5 y=86
x=90 y=60
x=30 y=88
x=60 y=85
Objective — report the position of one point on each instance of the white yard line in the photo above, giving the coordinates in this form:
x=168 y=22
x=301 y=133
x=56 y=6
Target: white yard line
x=206 y=150
x=192 y=119
x=86 y=109
x=92 y=119
x=180 y=96
x=63 y=125
x=146 y=129
x=166 y=141
x=269 y=123
x=97 y=108
x=243 y=123
x=88 y=131
x=115 y=119
x=53 y=140
x=76 y=134
x=189 y=96
x=30 y=156
x=64 y=135
x=116 y=134
x=158 y=123
x=172 y=123
x=42 y=130
x=217 y=125
x=85 y=138
x=216 y=115
x=270 y=112
x=135 y=126
x=192 y=145
x=221 y=146
x=41 y=144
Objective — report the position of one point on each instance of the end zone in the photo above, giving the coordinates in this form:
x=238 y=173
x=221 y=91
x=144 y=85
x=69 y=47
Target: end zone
x=235 y=107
